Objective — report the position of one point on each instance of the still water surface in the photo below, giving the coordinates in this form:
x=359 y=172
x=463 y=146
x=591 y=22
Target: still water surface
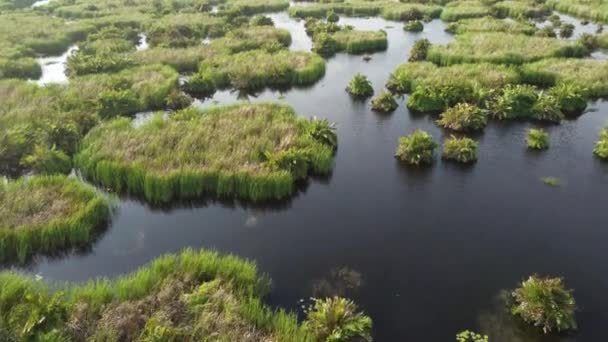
x=433 y=247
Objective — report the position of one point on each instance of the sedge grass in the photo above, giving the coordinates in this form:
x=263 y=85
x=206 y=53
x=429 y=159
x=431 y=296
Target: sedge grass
x=455 y=11
x=47 y=215
x=191 y=154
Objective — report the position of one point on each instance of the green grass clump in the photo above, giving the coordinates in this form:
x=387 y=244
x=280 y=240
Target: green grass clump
x=24 y=68
x=384 y=103
x=337 y=319
x=537 y=139
x=413 y=26
x=419 y=50
x=357 y=42
x=360 y=86
x=515 y=102
x=502 y=48
x=521 y=9
x=416 y=148
x=184 y=60
x=566 y=30
x=593 y=10
x=183 y=29
x=601 y=147
x=463 y=117
x=251 y=7
x=590 y=76
x=459 y=10
x=389 y=10
x=177 y=297
x=462 y=150
x=545 y=303
x=252 y=37
x=491 y=24
x=470 y=336
x=602 y=40
x=571 y=97
x=257 y=69
x=254 y=152
x=48 y=215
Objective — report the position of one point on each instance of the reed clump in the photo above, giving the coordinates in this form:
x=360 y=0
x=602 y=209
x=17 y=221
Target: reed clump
x=360 y=86
x=417 y=148
x=461 y=150
x=48 y=215
x=593 y=10
x=190 y=154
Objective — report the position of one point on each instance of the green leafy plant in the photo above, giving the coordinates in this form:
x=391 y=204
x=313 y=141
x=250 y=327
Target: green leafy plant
x=566 y=30
x=413 y=26
x=332 y=17
x=117 y=102
x=470 y=336
x=546 y=303
x=515 y=102
x=463 y=117
x=462 y=150
x=337 y=320
x=47 y=160
x=360 y=86
x=571 y=98
x=601 y=147
x=324 y=132
x=419 y=50
x=416 y=148
x=547 y=108
x=537 y=139
x=384 y=103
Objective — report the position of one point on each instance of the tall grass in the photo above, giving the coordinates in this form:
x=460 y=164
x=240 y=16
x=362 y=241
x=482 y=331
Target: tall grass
x=47 y=215
x=356 y=42
x=252 y=152
x=521 y=9
x=459 y=10
x=594 y=10
x=389 y=10
x=491 y=24
x=502 y=49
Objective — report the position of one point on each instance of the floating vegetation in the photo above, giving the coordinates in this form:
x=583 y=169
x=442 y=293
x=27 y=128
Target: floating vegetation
x=551 y=181
x=419 y=50
x=545 y=303
x=384 y=103
x=463 y=117
x=537 y=139
x=339 y=282
x=462 y=150
x=601 y=147
x=417 y=148
x=360 y=86
x=502 y=48
x=470 y=336
x=48 y=215
x=330 y=38
x=413 y=26
x=337 y=319
x=491 y=24
x=177 y=297
x=190 y=154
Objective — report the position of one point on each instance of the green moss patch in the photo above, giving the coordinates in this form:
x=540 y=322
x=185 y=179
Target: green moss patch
x=48 y=215
x=252 y=152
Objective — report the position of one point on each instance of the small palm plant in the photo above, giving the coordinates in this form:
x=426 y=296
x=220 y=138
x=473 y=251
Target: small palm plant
x=601 y=147
x=538 y=139
x=545 y=303
x=360 y=86
x=384 y=103
x=337 y=320
x=416 y=148
x=463 y=117
x=462 y=150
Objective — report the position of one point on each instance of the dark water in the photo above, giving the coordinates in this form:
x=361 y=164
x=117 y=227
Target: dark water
x=434 y=247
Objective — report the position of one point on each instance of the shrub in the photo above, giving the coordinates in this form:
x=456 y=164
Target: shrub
x=545 y=303
x=538 y=139
x=413 y=26
x=46 y=215
x=416 y=148
x=200 y=85
x=462 y=150
x=547 y=108
x=360 y=86
x=261 y=20
x=419 y=50
x=337 y=319
x=515 y=102
x=601 y=147
x=470 y=336
x=384 y=103
x=463 y=117
x=566 y=30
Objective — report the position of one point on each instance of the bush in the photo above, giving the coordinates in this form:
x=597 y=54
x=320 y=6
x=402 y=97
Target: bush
x=538 y=139
x=384 y=103
x=601 y=147
x=117 y=102
x=200 y=85
x=419 y=50
x=360 y=86
x=337 y=319
x=462 y=150
x=47 y=160
x=566 y=30
x=547 y=108
x=413 y=26
x=416 y=148
x=545 y=303
x=469 y=336
x=463 y=117
x=515 y=102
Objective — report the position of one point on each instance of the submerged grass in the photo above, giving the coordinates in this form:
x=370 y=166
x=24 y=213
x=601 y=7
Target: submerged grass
x=502 y=48
x=253 y=152
x=48 y=215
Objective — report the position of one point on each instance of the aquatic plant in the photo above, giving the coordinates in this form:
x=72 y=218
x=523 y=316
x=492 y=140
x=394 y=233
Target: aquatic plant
x=384 y=103
x=593 y=10
x=459 y=10
x=566 y=30
x=417 y=148
x=537 y=139
x=413 y=26
x=463 y=117
x=261 y=20
x=332 y=17
x=48 y=215
x=337 y=319
x=462 y=150
x=177 y=297
x=551 y=181
x=200 y=84
x=25 y=68
x=267 y=150
x=388 y=10
x=502 y=48
x=546 y=303
x=470 y=336
x=181 y=30
x=601 y=147
x=520 y=9
x=546 y=32
x=357 y=42
x=491 y=24
x=547 y=108
x=419 y=50
x=515 y=102
x=360 y=86
x=45 y=160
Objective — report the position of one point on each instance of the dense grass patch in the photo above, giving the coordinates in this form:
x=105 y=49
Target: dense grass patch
x=184 y=29
x=413 y=26
x=463 y=117
x=253 y=152
x=537 y=139
x=459 y=10
x=360 y=86
x=48 y=215
x=601 y=147
x=337 y=319
x=384 y=103
x=251 y=7
x=389 y=10
x=521 y=9
x=416 y=148
x=526 y=102
x=591 y=76
x=502 y=48
x=184 y=297
x=462 y=150
x=594 y=10
x=329 y=38
x=491 y=24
